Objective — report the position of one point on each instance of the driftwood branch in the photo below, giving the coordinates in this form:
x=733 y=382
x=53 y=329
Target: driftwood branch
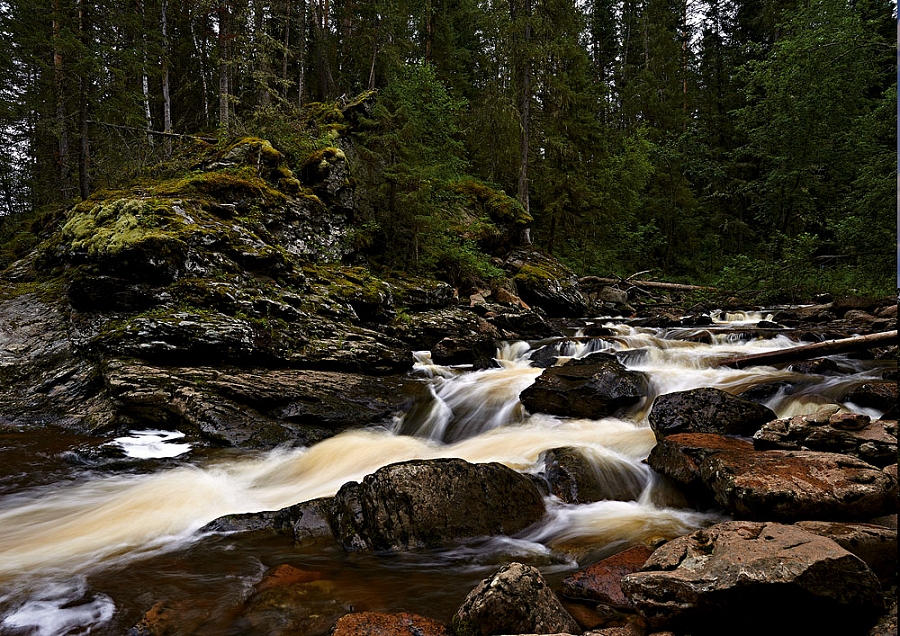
x=651 y=284
x=805 y=352
x=158 y=133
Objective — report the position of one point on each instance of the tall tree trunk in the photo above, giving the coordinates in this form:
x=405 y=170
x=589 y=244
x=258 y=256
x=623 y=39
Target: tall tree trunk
x=145 y=79
x=301 y=58
x=525 y=12
x=201 y=56
x=320 y=19
x=167 y=101
x=263 y=62
x=84 y=155
x=287 y=47
x=62 y=133
x=429 y=31
x=371 y=84
x=223 y=65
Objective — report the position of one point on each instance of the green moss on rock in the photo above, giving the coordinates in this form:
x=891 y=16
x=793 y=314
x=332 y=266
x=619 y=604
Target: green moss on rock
x=499 y=207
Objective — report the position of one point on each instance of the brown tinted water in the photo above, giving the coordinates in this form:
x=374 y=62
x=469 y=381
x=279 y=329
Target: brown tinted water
x=91 y=539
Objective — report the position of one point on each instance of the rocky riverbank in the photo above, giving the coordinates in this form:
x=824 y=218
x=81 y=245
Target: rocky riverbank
x=226 y=305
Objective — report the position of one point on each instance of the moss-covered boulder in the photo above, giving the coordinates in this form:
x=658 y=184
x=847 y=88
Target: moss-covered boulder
x=542 y=281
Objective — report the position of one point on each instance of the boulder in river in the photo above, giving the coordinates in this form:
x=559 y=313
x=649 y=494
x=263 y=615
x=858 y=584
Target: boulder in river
x=575 y=478
x=514 y=600
x=742 y=577
x=592 y=387
x=434 y=503
x=707 y=410
x=774 y=485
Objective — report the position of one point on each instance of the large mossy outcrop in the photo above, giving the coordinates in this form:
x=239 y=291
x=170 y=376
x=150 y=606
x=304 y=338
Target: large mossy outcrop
x=232 y=266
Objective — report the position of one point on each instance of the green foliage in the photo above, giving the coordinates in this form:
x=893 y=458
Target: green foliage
x=647 y=135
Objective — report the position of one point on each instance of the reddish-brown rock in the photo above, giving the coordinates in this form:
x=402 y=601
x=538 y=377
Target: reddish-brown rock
x=679 y=456
x=602 y=581
x=378 y=624
x=795 y=485
x=874 y=544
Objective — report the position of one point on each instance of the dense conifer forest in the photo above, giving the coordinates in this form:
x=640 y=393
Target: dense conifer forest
x=748 y=144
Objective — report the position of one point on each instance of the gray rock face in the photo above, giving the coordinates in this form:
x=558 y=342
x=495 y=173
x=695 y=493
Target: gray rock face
x=873 y=442
x=42 y=378
x=254 y=408
x=592 y=387
x=433 y=503
x=707 y=411
x=755 y=578
x=515 y=600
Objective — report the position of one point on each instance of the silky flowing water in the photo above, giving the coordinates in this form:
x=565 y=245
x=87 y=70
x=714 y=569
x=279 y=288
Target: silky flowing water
x=87 y=550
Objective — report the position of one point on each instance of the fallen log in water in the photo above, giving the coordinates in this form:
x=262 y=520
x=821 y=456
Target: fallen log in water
x=650 y=284
x=805 y=352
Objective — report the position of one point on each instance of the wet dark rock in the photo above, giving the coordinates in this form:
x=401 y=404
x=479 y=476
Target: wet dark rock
x=846 y=433
x=656 y=320
x=379 y=624
x=602 y=581
x=433 y=503
x=575 y=478
x=592 y=387
x=762 y=392
x=819 y=366
x=307 y=522
x=701 y=320
x=706 y=411
x=520 y=325
x=251 y=408
x=877 y=395
x=718 y=580
x=515 y=600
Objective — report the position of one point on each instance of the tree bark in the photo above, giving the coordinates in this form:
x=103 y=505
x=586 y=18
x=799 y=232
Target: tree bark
x=62 y=134
x=223 y=66
x=167 y=101
x=84 y=154
x=805 y=352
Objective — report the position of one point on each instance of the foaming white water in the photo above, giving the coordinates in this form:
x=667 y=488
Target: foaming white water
x=59 y=609
x=151 y=444
x=466 y=404
x=604 y=522
x=104 y=521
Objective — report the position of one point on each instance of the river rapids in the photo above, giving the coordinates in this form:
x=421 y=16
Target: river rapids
x=88 y=551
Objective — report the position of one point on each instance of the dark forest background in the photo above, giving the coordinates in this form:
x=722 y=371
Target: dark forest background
x=739 y=143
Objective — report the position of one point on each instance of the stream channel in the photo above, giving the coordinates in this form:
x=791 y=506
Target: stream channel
x=89 y=549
